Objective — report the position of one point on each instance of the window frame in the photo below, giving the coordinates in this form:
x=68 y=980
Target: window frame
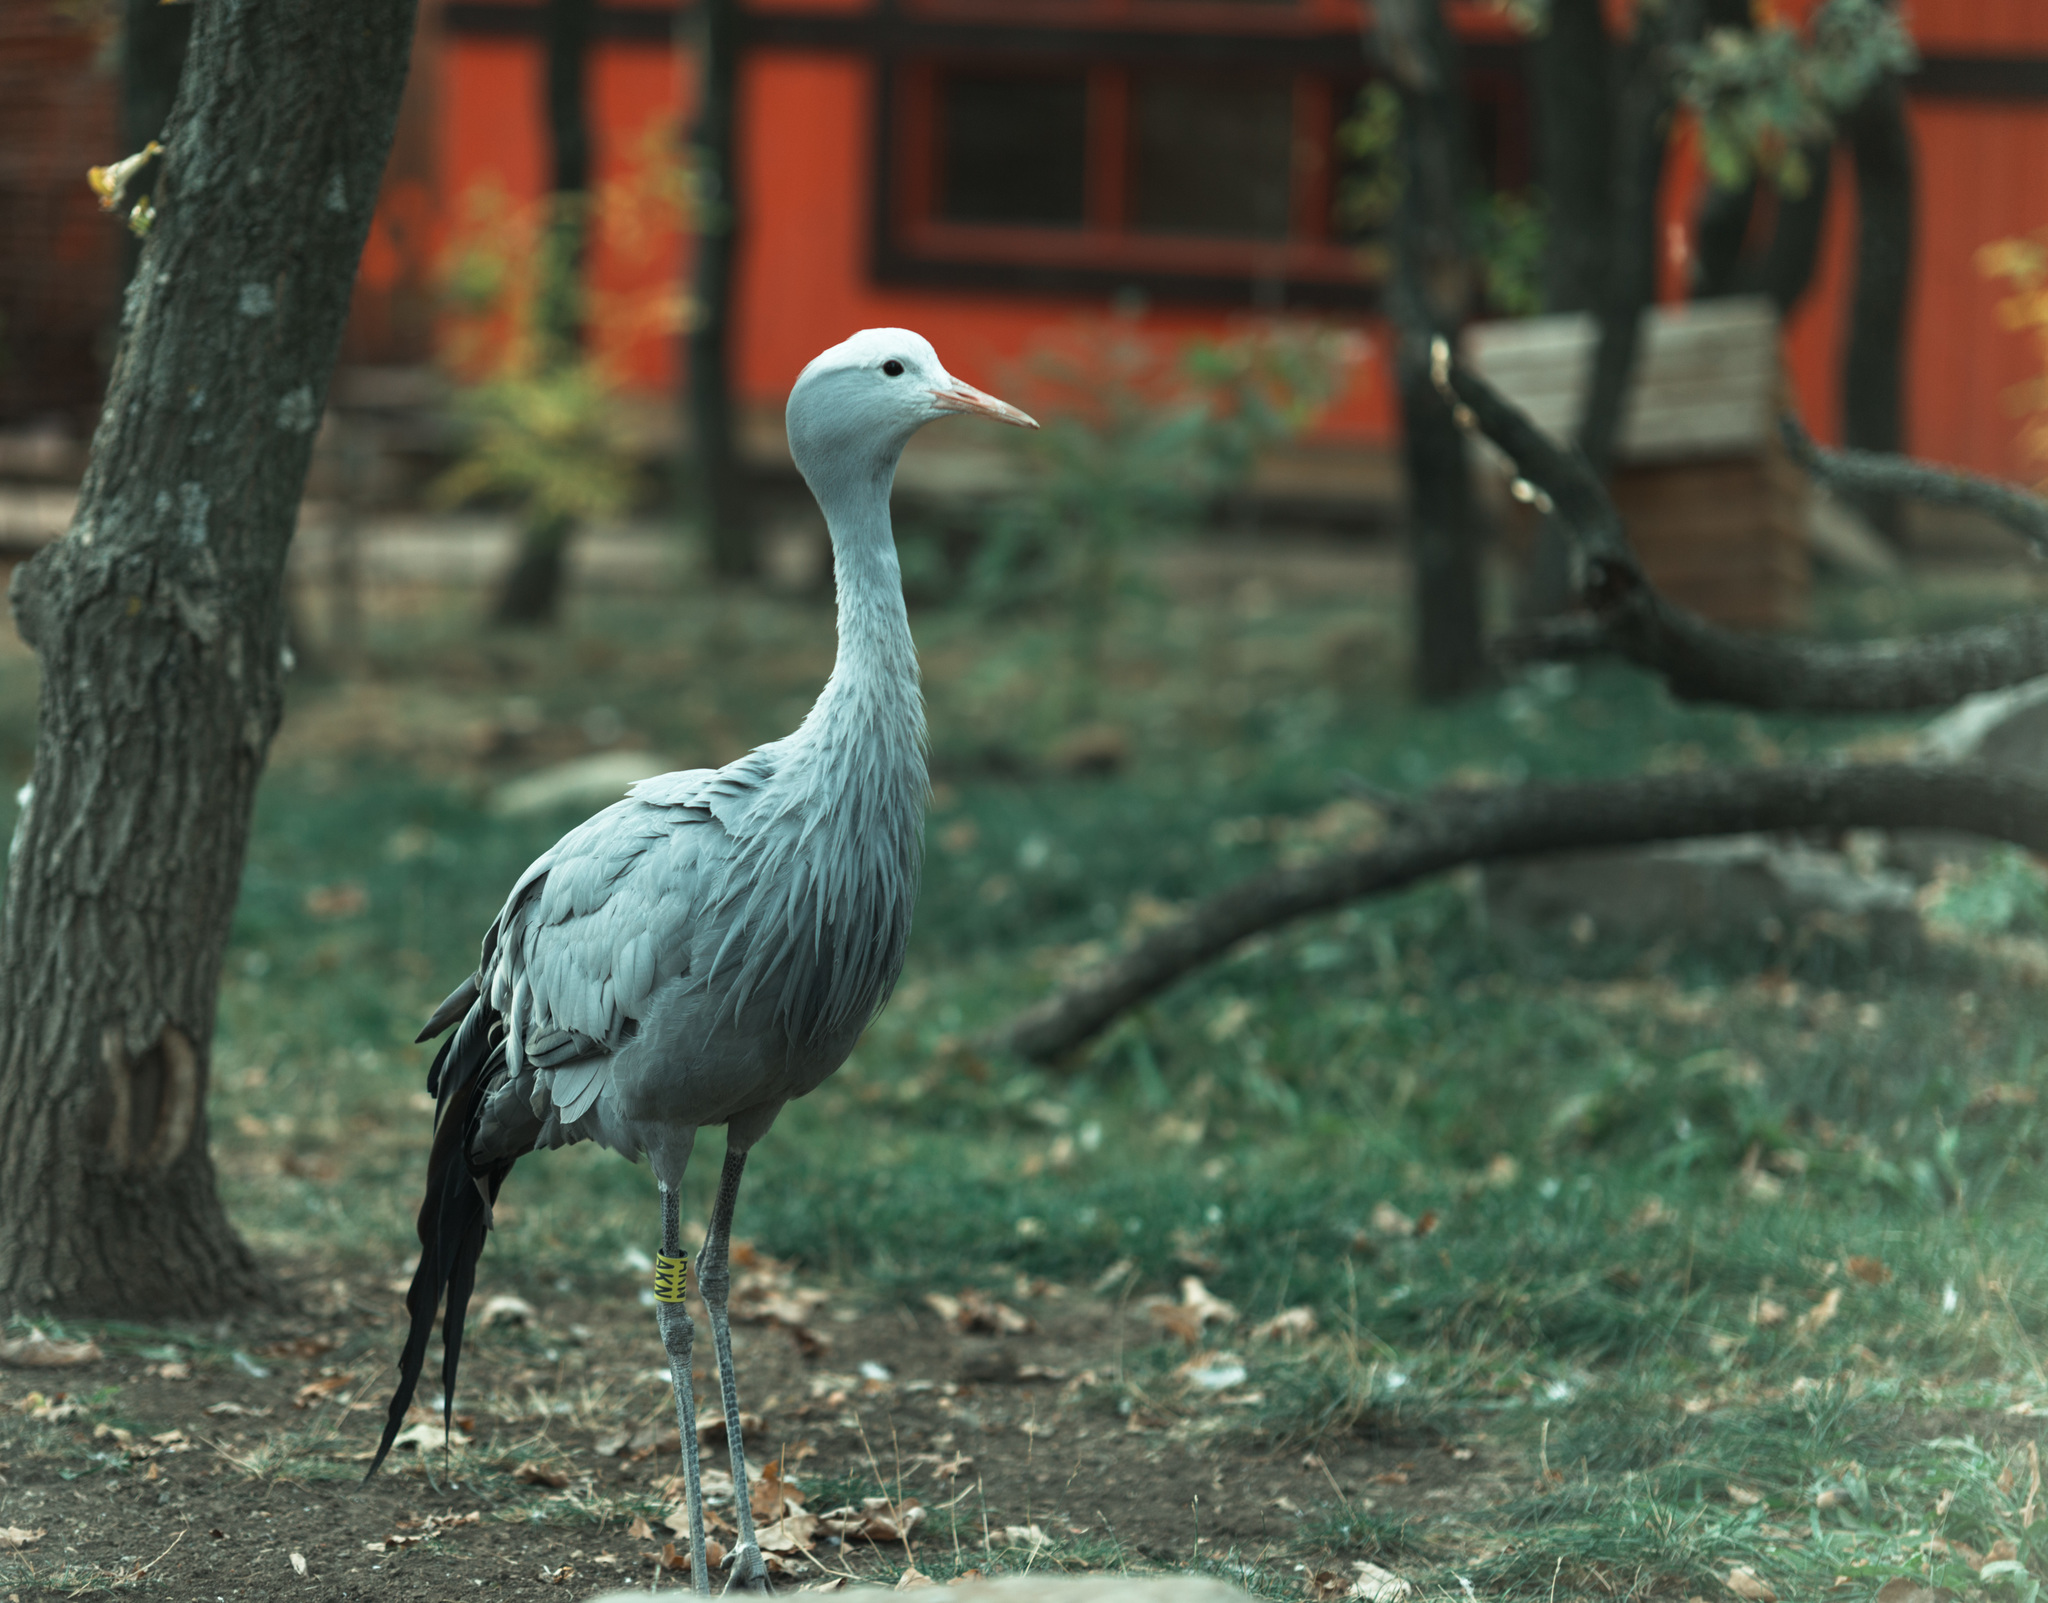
x=1106 y=252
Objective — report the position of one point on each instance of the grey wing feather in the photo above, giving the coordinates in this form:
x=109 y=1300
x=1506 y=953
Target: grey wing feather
x=593 y=929
x=458 y=1003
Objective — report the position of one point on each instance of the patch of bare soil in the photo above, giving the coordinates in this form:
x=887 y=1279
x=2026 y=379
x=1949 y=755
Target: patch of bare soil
x=204 y=1479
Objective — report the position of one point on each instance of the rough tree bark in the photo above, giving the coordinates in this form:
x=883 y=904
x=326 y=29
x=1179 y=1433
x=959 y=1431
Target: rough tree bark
x=1432 y=294
x=1648 y=95
x=532 y=591
x=1572 y=69
x=159 y=624
x=1793 y=255
x=719 y=482
x=1724 y=214
x=1873 y=399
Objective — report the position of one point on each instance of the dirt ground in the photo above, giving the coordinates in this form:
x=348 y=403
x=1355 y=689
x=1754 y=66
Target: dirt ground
x=229 y=1485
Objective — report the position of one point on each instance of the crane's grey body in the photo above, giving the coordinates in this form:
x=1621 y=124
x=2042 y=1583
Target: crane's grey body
x=712 y=945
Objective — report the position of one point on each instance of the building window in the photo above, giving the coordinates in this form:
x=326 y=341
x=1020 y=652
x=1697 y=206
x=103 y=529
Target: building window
x=1211 y=154
x=1186 y=148
x=1014 y=149
x=1103 y=175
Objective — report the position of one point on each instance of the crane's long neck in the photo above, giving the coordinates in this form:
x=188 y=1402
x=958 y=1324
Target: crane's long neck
x=870 y=713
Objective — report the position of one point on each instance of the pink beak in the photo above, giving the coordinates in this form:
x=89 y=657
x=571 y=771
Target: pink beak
x=966 y=398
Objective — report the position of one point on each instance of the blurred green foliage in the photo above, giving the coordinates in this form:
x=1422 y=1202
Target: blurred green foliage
x=1505 y=227
x=1765 y=96
x=1138 y=440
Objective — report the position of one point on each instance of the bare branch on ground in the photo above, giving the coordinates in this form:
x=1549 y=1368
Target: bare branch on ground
x=1874 y=473
x=1450 y=828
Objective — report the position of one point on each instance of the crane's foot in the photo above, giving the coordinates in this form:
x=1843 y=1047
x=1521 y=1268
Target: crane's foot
x=747 y=1571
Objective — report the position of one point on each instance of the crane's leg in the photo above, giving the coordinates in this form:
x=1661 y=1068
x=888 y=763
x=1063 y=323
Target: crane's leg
x=671 y=1309
x=714 y=1281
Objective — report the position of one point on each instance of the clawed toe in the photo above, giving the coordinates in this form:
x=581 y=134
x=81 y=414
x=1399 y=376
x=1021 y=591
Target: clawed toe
x=747 y=1571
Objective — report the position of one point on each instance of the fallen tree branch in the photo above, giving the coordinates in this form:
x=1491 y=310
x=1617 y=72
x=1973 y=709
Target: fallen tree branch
x=1874 y=473
x=1700 y=661
x=1453 y=827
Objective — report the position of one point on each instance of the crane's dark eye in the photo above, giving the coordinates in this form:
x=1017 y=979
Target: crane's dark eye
x=893 y=368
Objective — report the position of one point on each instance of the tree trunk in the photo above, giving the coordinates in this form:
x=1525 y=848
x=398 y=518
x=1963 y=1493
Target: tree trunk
x=1789 y=261
x=1444 y=538
x=1432 y=294
x=530 y=594
x=1719 y=254
x=720 y=486
x=1872 y=373
x=1573 y=69
x=1642 y=128
x=159 y=623
x=1573 y=73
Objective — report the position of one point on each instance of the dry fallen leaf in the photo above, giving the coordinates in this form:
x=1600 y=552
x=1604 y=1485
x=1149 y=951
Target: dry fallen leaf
x=1372 y=1584
x=1197 y=1309
x=789 y=1537
x=1388 y=1220
x=1743 y=1497
x=1652 y=1213
x=972 y=1313
x=1907 y=1589
x=1744 y=1582
x=315 y=1391
x=1290 y=1324
x=227 y=1410
x=1028 y=1537
x=37 y=1351
x=878 y=1519
x=711 y=1427
x=771 y=1497
x=1819 y=1314
x=676 y=1559
x=428 y=1436
x=299 y=1563
x=1769 y=1312
x=533 y=1474
x=640 y=1530
x=15 y=1537
x=913 y=1577
x=2003 y=1551
x=342 y=900
x=1871 y=1271
x=505 y=1309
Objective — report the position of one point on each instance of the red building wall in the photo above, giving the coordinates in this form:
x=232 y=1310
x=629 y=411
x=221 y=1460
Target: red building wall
x=59 y=254
x=1983 y=175
x=804 y=276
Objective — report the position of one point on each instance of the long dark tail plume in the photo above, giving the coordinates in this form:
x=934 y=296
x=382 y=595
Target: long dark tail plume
x=455 y=1217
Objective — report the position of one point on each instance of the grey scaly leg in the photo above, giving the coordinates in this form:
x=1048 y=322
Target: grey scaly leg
x=714 y=1282
x=671 y=1288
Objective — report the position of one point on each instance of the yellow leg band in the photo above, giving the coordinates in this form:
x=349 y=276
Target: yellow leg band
x=671 y=1278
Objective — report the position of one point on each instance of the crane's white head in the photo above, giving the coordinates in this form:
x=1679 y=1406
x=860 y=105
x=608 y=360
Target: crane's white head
x=855 y=406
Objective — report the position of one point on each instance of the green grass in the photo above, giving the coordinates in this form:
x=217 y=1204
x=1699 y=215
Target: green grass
x=1626 y=1158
